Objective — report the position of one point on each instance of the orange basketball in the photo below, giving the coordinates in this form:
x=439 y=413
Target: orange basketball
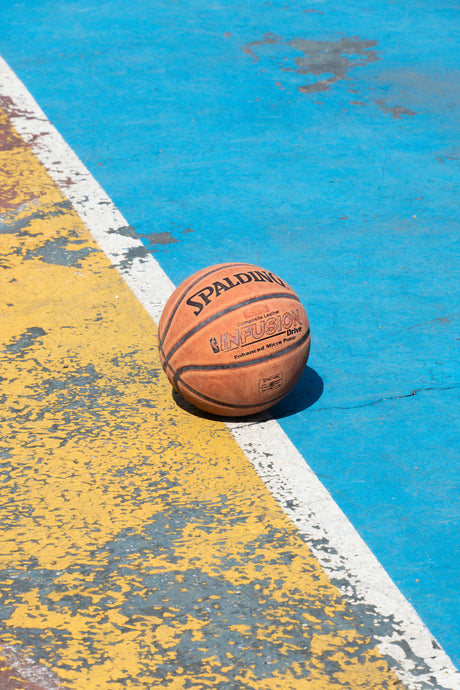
x=233 y=339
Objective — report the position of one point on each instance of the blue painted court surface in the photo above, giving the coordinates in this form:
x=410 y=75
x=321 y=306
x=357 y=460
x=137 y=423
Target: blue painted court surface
x=319 y=141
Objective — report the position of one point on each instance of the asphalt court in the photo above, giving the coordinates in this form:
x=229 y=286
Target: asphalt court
x=317 y=142
x=141 y=550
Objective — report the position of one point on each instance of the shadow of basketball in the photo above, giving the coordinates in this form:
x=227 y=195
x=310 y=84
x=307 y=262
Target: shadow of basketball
x=307 y=391
x=191 y=409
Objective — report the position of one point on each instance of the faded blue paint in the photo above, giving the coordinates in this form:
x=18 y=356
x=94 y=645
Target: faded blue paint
x=321 y=142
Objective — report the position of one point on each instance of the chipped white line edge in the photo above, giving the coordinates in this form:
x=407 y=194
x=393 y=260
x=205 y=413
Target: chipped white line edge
x=411 y=650
x=420 y=662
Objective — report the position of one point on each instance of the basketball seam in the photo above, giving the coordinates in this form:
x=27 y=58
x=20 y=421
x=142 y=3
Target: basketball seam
x=214 y=401
x=182 y=297
x=234 y=365
x=227 y=310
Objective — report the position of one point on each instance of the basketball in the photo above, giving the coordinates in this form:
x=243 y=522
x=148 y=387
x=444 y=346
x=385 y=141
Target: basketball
x=233 y=339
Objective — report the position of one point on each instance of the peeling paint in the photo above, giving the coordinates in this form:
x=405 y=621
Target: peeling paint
x=161 y=238
x=269 y=39
x=395 y=111
x=26 y=340
x=330 y=61
x=139 y=546
x=8 y=137
x=138 y=252
x=325 y=62
x=25 y=220
x=58 y=251
x=126 y=231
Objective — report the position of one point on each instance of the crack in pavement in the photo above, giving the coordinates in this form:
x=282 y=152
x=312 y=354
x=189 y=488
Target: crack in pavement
x=380 y=400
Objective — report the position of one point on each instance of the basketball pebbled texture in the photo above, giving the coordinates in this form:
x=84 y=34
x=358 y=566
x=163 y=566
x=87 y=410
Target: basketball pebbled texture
x=233 y=339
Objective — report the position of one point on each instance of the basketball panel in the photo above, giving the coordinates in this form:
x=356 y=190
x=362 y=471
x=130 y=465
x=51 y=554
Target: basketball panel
x=214 y=292
x=196 y=283
x=276 y=325
x=234 y=339
x=244 y=389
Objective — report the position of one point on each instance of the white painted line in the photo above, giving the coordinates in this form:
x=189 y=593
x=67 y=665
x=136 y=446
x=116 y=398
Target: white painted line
x=420 y=661
x=416 y=657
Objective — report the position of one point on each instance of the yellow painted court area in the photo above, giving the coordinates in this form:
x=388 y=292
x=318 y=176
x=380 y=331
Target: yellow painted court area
x=138 y=546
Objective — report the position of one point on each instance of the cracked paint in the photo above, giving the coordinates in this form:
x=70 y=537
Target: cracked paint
x=371 y=403
x=138 y=545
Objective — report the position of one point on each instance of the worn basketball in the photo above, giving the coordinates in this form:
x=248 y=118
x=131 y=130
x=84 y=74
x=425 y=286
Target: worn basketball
x=233 y=339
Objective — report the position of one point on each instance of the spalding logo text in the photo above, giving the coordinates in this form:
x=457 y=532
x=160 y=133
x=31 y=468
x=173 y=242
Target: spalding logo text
x=200 y=299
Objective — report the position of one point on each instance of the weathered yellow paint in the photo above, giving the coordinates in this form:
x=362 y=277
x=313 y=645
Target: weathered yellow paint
x=138 y=547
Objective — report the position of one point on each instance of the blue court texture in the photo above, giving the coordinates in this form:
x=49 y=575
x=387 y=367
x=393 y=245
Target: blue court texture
x=319 y=141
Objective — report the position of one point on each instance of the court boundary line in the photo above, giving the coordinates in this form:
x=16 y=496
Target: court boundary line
x=418 y=659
